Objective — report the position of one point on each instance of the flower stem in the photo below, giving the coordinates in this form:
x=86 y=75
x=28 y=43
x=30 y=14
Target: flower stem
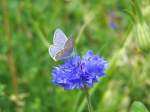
x=88 y=99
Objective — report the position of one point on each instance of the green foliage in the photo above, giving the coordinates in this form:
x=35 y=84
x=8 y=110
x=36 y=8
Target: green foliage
x=2 y=89
x=138 y=107
x=26 y=31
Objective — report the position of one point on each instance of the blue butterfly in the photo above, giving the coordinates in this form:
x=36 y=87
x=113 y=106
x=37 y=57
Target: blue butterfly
x=62 y=46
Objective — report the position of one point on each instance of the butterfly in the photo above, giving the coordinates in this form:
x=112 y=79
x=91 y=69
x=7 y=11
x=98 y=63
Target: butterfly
x=62 y=46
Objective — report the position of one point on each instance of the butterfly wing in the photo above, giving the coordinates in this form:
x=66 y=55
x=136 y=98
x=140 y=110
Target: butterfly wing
x=68 y=48
x=62 y=46
x=59 y=41
x=53 y=50
x=59 y=38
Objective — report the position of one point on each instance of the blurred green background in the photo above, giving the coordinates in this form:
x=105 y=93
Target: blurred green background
x=119 y=30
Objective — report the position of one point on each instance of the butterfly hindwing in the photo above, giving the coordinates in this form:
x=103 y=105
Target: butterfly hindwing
x=53 y=50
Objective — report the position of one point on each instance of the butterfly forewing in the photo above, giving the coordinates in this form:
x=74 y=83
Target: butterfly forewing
x=59 y=38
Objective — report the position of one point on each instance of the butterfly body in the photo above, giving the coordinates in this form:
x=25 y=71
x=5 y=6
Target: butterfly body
x=62 y=46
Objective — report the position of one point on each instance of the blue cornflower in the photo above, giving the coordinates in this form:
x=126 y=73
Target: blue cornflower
x=112 y=20
x=112 y=24
x=79 y=72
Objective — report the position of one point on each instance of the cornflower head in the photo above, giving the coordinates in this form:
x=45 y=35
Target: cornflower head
x=77 y=72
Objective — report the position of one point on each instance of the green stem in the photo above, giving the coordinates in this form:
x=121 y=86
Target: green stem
x=88 y=99
x=77 y=101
